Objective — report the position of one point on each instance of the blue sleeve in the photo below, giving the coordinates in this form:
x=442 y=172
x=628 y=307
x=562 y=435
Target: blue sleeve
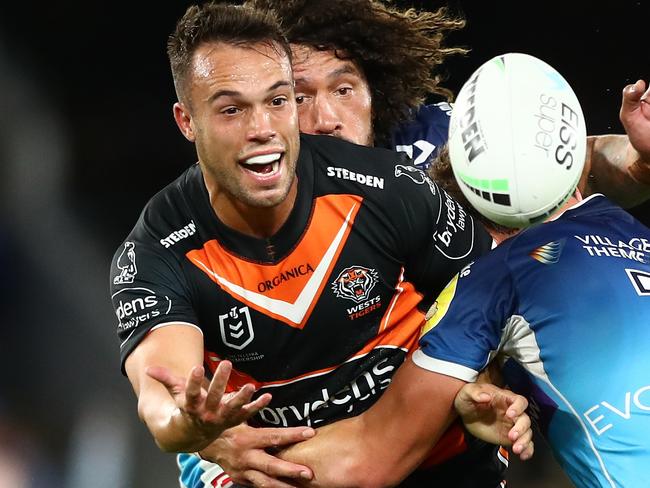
x=464 y=331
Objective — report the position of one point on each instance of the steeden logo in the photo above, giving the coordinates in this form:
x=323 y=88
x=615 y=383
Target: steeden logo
x=178 y=235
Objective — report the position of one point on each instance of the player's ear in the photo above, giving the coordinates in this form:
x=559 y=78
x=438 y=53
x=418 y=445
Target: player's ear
x=183 y=119
x=577 y=194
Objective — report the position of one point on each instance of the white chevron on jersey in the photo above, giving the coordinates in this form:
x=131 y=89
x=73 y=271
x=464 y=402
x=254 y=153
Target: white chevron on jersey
x=295 y=312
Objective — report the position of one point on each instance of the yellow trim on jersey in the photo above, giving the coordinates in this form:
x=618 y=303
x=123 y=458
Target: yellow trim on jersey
x=439 y=308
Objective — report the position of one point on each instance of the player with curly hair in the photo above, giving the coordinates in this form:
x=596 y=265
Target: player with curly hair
x=396 y=51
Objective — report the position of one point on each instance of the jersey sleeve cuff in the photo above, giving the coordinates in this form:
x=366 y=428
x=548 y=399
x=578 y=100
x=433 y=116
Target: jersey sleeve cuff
x=444 y=367
x=176 y=322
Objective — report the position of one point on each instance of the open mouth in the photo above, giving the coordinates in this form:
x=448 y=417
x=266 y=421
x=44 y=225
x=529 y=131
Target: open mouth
x=264 y=164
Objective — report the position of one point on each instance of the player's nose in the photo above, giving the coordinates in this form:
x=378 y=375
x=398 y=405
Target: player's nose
x=326 y=118
x=261 y=126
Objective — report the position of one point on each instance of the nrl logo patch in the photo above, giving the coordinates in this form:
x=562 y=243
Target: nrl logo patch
x=355 y=283
x=236 y=328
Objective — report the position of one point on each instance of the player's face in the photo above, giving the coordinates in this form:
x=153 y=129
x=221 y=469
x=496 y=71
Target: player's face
x=242 y=118
x=333 y=96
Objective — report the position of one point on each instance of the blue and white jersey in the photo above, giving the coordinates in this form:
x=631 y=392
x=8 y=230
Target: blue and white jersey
x=197 y=473
x=568 y=303
x=423 y=137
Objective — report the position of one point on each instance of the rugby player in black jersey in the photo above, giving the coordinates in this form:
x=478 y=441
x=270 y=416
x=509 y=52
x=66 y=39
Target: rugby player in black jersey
x=290 y=257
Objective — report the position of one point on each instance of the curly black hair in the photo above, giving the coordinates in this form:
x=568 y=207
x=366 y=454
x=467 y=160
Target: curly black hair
x=396 y=49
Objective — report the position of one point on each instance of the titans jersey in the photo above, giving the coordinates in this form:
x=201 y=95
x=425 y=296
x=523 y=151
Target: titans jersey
x=423 y=137
x=321 y=314
x=568 y=304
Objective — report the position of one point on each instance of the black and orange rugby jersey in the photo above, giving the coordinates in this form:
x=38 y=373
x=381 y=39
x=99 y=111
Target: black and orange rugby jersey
x=321 y=314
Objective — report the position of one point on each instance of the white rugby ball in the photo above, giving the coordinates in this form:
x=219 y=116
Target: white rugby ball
x=517 y=140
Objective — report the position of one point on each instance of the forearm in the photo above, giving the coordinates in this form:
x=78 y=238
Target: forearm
x=384 y=444
x=183 y=411
x=618 y=171
x=362 y=457
x=336 y=455
x=171 y=428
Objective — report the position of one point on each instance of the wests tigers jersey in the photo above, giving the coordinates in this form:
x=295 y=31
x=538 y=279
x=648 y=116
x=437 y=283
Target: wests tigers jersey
x=320 y=314
x=342 y=287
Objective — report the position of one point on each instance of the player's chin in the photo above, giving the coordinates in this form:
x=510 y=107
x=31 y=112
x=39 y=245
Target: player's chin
x=268 y=197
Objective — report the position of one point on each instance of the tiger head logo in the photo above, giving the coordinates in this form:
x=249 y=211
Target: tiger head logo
x=355 y=283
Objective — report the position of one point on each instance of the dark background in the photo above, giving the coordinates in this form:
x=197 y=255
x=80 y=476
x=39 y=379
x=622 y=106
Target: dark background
x=87 y=137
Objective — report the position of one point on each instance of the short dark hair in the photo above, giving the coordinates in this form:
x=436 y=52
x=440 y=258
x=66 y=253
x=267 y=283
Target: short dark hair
x=219 y=22
x=397 y=50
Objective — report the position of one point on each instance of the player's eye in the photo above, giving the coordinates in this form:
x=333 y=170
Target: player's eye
x=344 y=90
x=279 y=101
x=300 y=99
x=230 y=111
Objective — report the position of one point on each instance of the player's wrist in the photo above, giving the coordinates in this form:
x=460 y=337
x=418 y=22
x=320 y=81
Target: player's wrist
x=188 y=435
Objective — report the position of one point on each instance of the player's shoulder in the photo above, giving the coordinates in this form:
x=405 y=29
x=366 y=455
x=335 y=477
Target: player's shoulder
x=434 y=113
x=170 y=214
x=544 y=242
x=342 y=166
x=597 y=207
x=374 y=172
x=428 y=116
x=594 y=212
x=337 y=152
x=423 y=135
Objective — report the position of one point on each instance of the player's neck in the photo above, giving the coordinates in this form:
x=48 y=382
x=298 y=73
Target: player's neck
x=501 y=234
x=573 y=199
x=259 y=222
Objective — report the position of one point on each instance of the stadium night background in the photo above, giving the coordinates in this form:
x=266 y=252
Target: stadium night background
x=87 y=136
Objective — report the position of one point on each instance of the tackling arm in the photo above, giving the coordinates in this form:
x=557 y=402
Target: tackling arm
x=384 y=444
